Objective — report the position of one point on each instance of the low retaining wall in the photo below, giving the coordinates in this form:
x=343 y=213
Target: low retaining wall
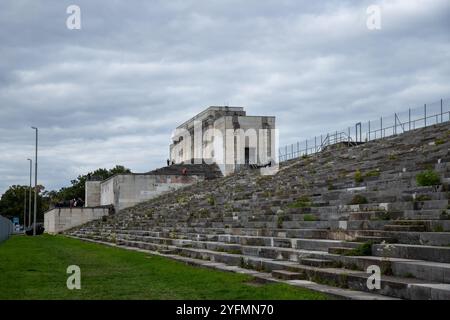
x=60 y=219
x=6 y=228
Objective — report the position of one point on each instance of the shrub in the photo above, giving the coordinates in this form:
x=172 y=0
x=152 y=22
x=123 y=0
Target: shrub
x=358 y=199
x=423 y=197
x=428 y=178
x=309 y=217
x=358 y=176
x=280 y=220
x=182 y=200
x=203 y=213
x=364 y=249
x=331 y=187
x=301 y=202
x=438 y=228
x=211 y=201
x=392 y=157
x=373 y=173
x=439 y=141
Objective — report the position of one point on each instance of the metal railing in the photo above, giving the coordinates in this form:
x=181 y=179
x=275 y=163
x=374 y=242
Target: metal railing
x=411 y=119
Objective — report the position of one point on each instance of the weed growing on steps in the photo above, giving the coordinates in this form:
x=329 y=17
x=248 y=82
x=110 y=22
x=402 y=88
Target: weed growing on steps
x=423 y=197
x=364 y=249
x=358 y=199
x=372 y=173
x=358 y=176
x=211 y=201
x=301 y=202
x=392 y=157
x=428 y=178
x=309 y=217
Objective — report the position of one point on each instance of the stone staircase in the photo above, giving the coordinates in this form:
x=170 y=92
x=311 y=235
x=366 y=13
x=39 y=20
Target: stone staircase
x=323 y=218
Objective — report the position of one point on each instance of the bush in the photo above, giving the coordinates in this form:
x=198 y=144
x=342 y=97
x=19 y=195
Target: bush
x=358 y=176
x=364 y=249
x=309 y=217
x=423 y=197
x=211 y=201
x=301 y=202
x=373 y=173
x=280 y=220
x=392 y=157
x=428 y=178
x=358 y=199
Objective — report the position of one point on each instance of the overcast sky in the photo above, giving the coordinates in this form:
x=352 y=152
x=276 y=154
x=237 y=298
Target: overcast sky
x=112 y=92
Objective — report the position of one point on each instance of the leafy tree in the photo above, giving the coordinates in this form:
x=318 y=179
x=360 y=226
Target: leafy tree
x=77 y=189
x=12 y=202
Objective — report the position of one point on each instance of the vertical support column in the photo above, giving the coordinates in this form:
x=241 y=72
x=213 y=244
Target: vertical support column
x=369 y=131
x=409 y=118
x=381 y=127
x=395 y=123
x=425 y=114
x=315 y=144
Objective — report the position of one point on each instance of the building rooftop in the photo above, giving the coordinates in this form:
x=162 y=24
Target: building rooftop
x=210 y=109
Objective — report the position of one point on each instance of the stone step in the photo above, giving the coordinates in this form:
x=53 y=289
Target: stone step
x=417 y=252
x=425 y=270
x=288 y=275
x=409 y=222
x=405 y=228
x=339 y=250
x=319 y=263
x=404 y=288
x=374 y=239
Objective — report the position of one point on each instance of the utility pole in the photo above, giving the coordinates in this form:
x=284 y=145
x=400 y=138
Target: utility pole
x=35 y=181
x=29 y=190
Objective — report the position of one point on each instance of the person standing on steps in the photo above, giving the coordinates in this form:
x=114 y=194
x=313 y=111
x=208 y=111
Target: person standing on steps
x=168 y=162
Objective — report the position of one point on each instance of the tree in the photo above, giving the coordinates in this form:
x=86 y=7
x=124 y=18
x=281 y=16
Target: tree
x=12 y=202
x=77 y=189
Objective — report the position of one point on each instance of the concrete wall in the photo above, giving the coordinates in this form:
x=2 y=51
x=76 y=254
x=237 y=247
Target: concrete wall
x=233 y=156
x=92 y=194
x=127 y=190
x=61 y=219
x=224 y=151
x=107 y=192
x=6 y=228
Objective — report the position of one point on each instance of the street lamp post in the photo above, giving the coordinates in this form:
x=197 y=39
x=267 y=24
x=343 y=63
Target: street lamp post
x=24 y=208
x=29 y=197
x=35 y=181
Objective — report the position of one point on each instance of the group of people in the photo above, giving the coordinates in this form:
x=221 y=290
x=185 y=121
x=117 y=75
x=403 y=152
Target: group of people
x=170 y=163
x=73 y=203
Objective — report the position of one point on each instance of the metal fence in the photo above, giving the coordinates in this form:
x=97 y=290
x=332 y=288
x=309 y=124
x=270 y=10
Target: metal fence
x=6 y=228
x=411 y=119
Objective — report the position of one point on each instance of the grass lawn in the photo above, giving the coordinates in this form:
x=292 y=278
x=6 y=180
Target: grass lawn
x=35 y=268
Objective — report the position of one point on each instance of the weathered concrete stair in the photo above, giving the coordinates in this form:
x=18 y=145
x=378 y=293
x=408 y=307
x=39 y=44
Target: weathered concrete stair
x=312 y=217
